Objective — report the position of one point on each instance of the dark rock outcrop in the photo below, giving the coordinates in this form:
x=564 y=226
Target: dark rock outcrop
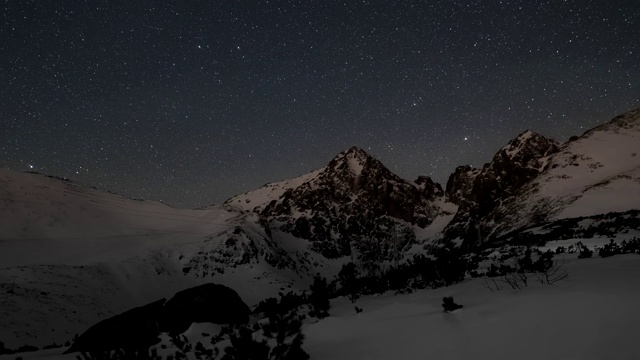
x=460 y=184
x=133 y=329
x=212 y=303
x=139 y=328
x=430 y=190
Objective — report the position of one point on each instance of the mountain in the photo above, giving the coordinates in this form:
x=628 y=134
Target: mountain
x=480 y=192
x=596 y=173
x=353 y=205
x=534 y=180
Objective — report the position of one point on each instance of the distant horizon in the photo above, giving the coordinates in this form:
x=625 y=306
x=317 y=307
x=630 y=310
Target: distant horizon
x=441 y=183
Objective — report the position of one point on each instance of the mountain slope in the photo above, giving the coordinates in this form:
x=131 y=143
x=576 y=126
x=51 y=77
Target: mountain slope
x=533 y=180
x=597 y=173
x=72 y=255
x=517 y=163
x=257 y=199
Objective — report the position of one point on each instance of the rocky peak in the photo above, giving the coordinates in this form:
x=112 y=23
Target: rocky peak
x=517 y=163
x=429 y=188
x=460 y=183
x=352 y=178
x=352 y=163
x=526 y=147
x=353 y=197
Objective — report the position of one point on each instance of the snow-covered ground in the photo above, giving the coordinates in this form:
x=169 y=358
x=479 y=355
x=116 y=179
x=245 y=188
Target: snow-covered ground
x=594 y=314
x=72 y=255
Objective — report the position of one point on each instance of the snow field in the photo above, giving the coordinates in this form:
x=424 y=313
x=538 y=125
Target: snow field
x=593 y=314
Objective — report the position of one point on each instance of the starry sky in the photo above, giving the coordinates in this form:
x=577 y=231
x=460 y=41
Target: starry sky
x=192 y=102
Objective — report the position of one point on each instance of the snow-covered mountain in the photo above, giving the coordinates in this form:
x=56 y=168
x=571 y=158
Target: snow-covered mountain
x=353 y=205
x=533 y=180
x=596 y=173
x=517 y=163
x=72 y=255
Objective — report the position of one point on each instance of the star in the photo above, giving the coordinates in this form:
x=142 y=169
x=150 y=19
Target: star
x=131 y=99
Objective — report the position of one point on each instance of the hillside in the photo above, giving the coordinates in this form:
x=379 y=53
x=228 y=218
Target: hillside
x=72 y=255
x=596 y=173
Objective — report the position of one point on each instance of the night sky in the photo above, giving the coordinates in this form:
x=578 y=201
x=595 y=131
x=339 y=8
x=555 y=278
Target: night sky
x=192 y=102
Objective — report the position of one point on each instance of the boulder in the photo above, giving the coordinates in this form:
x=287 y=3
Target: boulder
x=140 y=328
x=205 y=303
x=134 y=329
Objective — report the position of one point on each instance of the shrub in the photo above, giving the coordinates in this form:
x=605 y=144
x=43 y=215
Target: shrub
x=451 y=265
x=610 y=249
x=631 y=246
x=548 y=270
x=287 y=302
x=282 y=331
x=515 y=271
x=244 y=347
x=319 y=298
x=449 y=305
x=348 y=278
x=585 y=252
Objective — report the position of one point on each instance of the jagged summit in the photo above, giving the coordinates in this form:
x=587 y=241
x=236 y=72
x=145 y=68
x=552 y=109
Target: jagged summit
x=345 y=167
x=526 y=144
x=355 y=160
x=354 y=151
x=460 y=183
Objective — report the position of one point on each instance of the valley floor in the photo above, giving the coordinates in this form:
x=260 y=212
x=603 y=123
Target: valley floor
x=594 y=314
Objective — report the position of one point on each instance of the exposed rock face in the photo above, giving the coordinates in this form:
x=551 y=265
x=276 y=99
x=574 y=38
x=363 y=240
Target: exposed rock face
x=517 y=163
x=140 y=327
x=513 y=166
x=460 y=184
x=354 y=199
x=430 y=189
